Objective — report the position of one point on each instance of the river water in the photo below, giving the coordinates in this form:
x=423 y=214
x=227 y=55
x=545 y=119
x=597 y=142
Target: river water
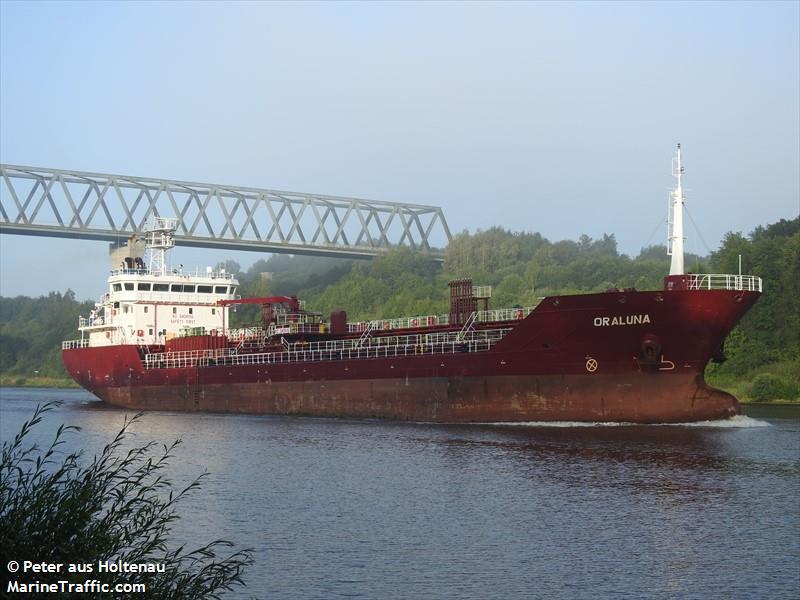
x=367 y=509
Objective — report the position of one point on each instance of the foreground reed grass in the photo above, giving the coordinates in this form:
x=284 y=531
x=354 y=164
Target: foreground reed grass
x=118 y=508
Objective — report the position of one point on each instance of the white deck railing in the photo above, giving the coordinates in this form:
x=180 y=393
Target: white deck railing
x=177 y=298
x=98 y=321
x=503 y=314
x=483 y=316
x=745 y=283
x=327 y=351
x=72 y=344
x=173 y=276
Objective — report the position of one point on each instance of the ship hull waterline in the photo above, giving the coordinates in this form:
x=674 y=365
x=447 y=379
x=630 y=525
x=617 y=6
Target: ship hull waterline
x=601 y=398
x=640 y=398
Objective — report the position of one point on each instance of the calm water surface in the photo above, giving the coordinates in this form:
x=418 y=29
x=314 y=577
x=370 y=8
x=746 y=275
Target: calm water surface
x=365 y=509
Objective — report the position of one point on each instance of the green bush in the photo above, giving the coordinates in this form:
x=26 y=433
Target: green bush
x=118 y=508
x=767 y=386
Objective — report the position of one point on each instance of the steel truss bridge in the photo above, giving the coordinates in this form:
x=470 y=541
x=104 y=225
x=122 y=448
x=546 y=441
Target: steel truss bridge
x=73 y=204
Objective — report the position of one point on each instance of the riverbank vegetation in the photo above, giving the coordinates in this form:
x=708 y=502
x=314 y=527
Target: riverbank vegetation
x=31 y=332
x=763 y=357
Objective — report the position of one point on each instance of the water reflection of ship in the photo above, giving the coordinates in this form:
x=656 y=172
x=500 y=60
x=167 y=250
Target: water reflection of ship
x=666 y=459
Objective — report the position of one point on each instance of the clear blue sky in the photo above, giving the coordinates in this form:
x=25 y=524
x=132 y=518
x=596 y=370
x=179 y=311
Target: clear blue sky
x=553 y=117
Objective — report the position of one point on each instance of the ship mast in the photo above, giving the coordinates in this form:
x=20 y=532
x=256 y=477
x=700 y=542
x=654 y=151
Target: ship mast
x=160 y=237
x=675 y=218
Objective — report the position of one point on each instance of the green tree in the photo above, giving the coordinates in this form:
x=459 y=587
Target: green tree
x=229 y=266
x=767 y=340
x=31 y=332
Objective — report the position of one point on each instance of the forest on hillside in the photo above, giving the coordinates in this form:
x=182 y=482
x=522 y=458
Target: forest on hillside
x=763 y=351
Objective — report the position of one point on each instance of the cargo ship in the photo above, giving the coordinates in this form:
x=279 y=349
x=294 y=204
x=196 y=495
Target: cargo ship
x=161 y=339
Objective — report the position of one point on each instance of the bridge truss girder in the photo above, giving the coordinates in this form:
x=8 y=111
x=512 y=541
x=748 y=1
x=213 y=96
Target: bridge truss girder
x=58 y=203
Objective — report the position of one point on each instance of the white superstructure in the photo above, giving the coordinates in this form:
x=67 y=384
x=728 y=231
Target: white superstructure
x=147 y=305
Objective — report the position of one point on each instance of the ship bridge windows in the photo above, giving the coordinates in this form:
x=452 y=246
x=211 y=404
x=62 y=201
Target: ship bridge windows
x=204 y=289
x=221 y=289
x=143 y=287
x=129 y=286
x=160 y=287
x=117 y=287
x=185 y=288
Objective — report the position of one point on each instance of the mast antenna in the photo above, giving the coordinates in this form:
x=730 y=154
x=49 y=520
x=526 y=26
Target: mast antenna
x=160 y=237
x=675 y=218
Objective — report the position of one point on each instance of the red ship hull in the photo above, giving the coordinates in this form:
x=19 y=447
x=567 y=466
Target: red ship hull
x=574 y=358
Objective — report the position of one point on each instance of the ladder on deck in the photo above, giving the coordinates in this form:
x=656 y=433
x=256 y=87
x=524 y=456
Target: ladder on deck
x=370 y=326
x=468 y=327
